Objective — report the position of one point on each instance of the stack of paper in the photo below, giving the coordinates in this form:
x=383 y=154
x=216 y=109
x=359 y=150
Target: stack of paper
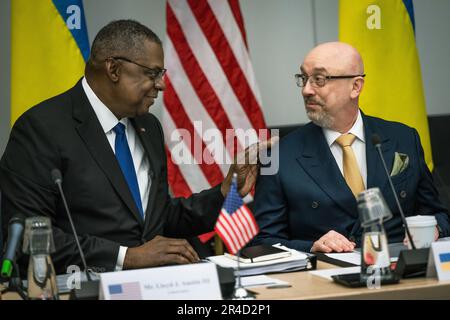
x=296 y=261
x=261 y=280
x=327 y=273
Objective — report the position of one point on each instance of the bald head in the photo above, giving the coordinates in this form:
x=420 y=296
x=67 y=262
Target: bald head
x=332 y=78
x=336 y=58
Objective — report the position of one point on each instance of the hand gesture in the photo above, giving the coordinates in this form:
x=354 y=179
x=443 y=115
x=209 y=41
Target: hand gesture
x=246 y=167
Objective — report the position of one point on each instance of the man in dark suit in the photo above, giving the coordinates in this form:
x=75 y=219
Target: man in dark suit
x=310 y=203
x=111 y=153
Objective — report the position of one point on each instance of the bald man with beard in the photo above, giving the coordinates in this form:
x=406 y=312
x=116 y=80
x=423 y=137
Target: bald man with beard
x=310 y=203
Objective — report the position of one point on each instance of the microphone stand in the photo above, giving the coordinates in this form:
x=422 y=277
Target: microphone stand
x=412 y=262
x=15 y=283
x=240 y=293
x=83 y=260
x=88 y=290
x=405 y=225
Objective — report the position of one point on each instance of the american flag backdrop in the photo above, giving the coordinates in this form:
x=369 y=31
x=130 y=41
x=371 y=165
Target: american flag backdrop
x=210 y=84
x=236 y=224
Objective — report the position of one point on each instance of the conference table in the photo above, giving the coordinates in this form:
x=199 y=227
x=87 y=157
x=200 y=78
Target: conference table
x=306 y=286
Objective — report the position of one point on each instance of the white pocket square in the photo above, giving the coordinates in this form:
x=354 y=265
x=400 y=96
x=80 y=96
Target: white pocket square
x=401 y=162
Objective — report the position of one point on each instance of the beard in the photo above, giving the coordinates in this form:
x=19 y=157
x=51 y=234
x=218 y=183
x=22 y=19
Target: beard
x=319 y=117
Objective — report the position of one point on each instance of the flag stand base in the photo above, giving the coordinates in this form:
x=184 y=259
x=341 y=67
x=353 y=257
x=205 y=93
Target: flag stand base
x=240 y=293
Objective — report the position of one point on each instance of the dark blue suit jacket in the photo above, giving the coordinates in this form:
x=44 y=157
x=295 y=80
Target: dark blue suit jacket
x=309 y=197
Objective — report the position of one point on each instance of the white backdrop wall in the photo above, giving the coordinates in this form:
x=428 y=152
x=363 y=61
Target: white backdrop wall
x=279 y=34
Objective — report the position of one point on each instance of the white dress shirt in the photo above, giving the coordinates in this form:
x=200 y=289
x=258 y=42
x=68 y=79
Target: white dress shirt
x=141 y=164
x=358 y=146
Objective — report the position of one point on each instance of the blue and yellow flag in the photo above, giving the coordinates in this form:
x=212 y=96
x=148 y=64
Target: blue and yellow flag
x=49 y=48
x=383 y=32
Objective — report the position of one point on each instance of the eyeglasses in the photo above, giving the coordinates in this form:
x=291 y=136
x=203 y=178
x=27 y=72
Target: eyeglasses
x=320 y=80
x=153 y=74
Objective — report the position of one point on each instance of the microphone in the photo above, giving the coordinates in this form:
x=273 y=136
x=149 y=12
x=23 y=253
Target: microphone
x=410 y=263
x=57 y=179
x=90 y=288
x=376 y=141
x=15 y=232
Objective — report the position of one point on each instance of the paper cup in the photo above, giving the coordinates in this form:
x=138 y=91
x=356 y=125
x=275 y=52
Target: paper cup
x=422 y=230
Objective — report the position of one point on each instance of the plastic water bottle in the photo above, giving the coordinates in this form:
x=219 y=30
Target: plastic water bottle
x=373 y=211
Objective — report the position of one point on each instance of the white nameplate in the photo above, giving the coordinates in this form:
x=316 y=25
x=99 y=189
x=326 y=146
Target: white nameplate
x=439 y=260
x=186 y=282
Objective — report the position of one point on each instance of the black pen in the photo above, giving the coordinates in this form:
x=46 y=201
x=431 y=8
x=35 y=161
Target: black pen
x=278 y=286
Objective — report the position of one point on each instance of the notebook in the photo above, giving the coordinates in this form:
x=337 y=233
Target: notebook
x=260 y=253
x=296 y=261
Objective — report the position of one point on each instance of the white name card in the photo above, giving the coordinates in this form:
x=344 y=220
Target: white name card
x=439 y=260
x=185 y=282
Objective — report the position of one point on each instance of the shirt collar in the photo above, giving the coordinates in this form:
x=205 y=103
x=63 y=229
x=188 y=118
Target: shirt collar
x=107 y=119
x=357 y=130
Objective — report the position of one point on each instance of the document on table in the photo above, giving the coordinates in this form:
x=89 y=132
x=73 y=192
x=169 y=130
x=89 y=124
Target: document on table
x=255 y=281
x=327 y=273
x=296 y=261
x=350 y=257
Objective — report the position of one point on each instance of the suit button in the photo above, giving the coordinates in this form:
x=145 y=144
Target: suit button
x=314 y=204
x=403 y=194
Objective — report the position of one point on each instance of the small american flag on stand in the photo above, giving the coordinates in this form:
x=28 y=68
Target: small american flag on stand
x=236 y=225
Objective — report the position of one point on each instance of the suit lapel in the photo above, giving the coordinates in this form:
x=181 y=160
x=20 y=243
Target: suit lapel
x=92 y=134
x=376 y=176
x=318 y=161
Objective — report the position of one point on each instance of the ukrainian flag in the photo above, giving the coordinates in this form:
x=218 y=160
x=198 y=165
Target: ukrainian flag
x=383 y=32
x=49 y=48
x=444 y=259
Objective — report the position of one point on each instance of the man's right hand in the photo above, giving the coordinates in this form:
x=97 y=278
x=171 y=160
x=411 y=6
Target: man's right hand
x=333 y=241
x=160 y=251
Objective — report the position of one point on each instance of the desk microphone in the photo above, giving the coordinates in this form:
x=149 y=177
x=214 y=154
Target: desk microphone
x=376 y=141
x=90 y=288
x=10 y=269
x=411 y=263
x=57 y=179
x=15 y=232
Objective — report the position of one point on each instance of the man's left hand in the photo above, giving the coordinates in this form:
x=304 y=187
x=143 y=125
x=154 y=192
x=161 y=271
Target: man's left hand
x=246 y=167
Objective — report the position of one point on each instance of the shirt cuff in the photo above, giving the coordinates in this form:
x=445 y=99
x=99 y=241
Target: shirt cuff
x=121 y=258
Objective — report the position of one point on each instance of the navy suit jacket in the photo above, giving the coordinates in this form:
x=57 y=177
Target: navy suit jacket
x=308 y=196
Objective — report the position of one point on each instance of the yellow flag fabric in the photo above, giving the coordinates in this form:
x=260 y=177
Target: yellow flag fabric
x=383 y=32
x=49 y=46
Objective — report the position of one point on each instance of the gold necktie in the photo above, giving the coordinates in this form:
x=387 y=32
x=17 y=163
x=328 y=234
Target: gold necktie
x=352 y=175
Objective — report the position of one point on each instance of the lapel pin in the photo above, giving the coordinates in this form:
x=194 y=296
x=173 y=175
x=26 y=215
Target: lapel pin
x=142 y=130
